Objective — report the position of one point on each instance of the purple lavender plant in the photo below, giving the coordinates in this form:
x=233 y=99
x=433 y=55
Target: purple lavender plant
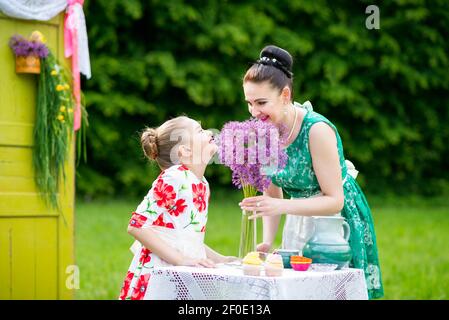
x=24 y=47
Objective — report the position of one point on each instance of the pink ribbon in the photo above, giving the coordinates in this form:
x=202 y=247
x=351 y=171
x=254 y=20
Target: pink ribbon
x=71 y=49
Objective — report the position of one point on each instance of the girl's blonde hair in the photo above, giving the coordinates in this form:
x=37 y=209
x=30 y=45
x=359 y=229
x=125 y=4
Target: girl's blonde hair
x=158 y=143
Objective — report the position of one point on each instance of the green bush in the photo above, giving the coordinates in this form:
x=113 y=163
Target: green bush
x=386 y=90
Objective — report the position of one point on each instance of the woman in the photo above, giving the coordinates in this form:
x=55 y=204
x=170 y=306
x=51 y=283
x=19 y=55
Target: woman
x=316 y=176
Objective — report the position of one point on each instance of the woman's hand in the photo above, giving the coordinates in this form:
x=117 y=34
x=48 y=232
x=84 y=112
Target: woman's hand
x=207 y=263
x=263 y=247
x=264 y=205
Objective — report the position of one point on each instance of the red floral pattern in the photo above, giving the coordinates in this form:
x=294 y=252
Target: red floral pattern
x=141 y=287
x=177 y=208
x=145 y=256
x=176 y=197
x=160 y=222
x=137 y=220
x=164 y=194
x=125 y=286
x=199 y=196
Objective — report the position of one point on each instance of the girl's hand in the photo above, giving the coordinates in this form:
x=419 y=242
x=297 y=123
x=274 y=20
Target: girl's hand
x=207 y=263
x=230 y=259
x=264 y=205
x=263 y=247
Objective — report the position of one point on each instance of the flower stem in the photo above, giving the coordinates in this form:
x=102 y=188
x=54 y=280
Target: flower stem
x=248 y=233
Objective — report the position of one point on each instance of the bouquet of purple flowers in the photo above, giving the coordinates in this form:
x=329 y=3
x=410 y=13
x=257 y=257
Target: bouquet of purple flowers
x=23 y=47
x=253 y=151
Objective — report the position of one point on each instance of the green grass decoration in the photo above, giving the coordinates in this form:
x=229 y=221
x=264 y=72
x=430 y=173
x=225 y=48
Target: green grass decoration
x=54 y=128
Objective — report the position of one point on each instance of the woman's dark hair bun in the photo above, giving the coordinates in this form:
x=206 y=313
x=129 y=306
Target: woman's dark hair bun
x=279 y=54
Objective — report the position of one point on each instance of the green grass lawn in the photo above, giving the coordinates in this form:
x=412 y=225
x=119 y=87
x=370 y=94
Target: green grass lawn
x=412 y=236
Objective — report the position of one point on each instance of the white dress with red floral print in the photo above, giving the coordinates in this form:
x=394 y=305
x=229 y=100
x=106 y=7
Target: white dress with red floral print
x=177 y=200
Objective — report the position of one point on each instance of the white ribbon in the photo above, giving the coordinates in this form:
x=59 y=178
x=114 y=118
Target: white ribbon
x=77 y=21
x=307 y=105
x=352 y=171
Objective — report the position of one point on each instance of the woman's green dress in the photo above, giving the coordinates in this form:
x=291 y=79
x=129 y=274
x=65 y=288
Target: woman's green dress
x=298 y=180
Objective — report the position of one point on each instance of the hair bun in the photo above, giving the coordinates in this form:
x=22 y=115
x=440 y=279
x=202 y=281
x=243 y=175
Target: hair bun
x=279 y=54
x=149 y=143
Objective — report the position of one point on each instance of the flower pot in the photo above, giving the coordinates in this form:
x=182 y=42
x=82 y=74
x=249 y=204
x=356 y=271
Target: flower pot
x=28 y=64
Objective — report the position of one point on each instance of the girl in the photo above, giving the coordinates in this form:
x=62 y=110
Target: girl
x=316 y=176
x=170 y=222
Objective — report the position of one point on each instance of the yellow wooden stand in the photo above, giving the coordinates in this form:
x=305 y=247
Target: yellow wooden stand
x=36 y=242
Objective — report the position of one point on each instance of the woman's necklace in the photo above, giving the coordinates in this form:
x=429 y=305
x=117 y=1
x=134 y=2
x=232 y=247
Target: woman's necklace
x=293 y=127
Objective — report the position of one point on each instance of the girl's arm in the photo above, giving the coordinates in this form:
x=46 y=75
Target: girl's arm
x=151 y=241
x=216 y=257
x=326 y=165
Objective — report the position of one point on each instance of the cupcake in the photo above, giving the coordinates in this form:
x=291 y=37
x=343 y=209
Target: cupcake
x=252 y=264
x=274 y=265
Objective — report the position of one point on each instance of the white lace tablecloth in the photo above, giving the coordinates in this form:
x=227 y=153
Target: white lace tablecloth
x=229 y=283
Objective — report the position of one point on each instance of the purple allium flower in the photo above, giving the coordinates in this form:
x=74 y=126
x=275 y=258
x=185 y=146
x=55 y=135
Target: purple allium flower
x=42 y=50
x=253 y=150
x=24 y=47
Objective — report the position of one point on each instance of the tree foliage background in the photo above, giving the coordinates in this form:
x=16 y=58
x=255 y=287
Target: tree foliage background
x=386 y=90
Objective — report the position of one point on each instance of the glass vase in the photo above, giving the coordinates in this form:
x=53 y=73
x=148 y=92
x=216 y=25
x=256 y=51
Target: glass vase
x=248 y=234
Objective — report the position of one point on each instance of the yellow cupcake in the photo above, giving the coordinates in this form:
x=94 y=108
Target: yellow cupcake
x=252 y=264
x=252 y=258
